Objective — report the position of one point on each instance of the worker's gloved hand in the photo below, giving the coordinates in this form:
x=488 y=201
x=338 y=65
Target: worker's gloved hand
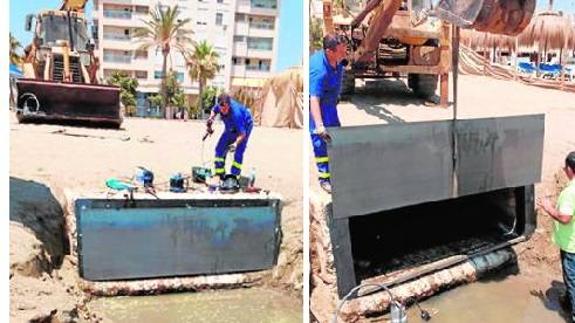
x=322 y=132
x=209 y=129
x=232 y=148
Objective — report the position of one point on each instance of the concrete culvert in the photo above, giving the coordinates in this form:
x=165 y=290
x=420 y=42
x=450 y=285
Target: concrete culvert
x=405 y=216
x=413 y=236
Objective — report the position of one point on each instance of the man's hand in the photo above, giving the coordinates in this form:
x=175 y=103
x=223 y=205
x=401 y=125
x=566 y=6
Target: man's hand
x=545 y=204
x=209 y=124
x=322 y=132
x=232 y=148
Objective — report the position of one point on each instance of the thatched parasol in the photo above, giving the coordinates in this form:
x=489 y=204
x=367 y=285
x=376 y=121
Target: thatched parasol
x=571 y=34
x=548 y=30
x=488 y=42
x=280 y=82
x=485 y=40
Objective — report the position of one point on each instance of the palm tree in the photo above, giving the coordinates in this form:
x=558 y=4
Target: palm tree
x=165 y=31
x=315 y=34
x=339 y=6
x=203 y=65
x=15 y=58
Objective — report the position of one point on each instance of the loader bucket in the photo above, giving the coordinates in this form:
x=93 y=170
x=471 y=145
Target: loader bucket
x=508 y=17
x=40 y=100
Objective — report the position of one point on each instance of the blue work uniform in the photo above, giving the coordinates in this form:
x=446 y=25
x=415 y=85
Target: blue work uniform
x=324 y=83
x=237 y=121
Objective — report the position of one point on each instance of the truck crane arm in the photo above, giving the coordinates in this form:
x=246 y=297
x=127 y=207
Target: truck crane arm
x=73 y=5
x=508 y=17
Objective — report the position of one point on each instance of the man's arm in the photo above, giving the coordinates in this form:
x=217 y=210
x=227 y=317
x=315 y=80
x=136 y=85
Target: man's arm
x=240 y=138
x=557 y=215
x=316 y=112
x=241 y=127
x=212 y=116
x=316 y=82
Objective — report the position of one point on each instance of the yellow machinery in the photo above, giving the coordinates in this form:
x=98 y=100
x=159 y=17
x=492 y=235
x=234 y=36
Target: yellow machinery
x=60 y=68
x=413 y=37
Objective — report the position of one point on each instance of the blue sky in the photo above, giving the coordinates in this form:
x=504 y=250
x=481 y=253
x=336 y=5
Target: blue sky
x=563 y=5
x=290 y=33
x=291 y=24
x=20 y=8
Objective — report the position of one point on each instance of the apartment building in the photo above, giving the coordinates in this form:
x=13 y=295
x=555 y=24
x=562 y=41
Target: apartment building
x=243 y=32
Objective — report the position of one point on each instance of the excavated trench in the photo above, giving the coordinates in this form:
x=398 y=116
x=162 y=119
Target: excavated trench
x=394 y=241
x=54 y=283
x=34 y=206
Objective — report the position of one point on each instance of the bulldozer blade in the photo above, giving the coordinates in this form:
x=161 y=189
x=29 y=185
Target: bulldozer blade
x=507 y=17
x=40 y=100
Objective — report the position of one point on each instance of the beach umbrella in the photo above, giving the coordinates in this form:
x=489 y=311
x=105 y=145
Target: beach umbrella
x=15 y=71
x=486 y=41
x=548 y=30
x=571 y=34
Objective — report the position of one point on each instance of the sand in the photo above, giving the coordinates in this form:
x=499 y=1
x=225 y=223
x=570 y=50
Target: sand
x=45 y=159
x=391 y=102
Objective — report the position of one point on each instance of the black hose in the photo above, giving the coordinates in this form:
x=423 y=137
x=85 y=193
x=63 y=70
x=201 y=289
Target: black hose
x=423 y=313
x=355 y=290
x=70 y=33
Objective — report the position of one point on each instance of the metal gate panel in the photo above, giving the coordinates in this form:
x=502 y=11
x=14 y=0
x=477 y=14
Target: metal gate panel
x=165 y=238
x=382 y=167
x=498 y=153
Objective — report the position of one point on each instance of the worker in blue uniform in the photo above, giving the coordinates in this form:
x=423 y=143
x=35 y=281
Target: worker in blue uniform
x=325 y=77
x=238 y=126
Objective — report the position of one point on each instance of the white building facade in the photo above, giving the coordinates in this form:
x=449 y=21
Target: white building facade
x=243 y=32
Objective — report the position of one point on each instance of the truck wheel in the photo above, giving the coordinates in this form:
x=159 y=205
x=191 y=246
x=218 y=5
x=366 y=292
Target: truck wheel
x=423 y=85
x=20 y=117
x=347 y=85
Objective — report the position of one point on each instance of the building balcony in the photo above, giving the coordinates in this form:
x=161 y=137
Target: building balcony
x=238 y=70
x=256 y=74
x=250 y=71
x=120 y=44
x=125 y=2
x=117 y=37
x=117 y=66
x=257 y=68
x=258 y=53
x=257 y=7
x=241 y=28
x=261 y=25
x=112 y=58
x=266 y=33
x=240 y=49
x=118 y=14
x=253 y=30
x=123 y=19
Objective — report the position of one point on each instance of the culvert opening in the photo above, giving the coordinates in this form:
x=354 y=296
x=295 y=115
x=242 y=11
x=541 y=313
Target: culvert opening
x=396 y=241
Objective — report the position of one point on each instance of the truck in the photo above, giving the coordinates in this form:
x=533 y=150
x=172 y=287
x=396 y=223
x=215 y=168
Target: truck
x=412 y=38
x=60 y=80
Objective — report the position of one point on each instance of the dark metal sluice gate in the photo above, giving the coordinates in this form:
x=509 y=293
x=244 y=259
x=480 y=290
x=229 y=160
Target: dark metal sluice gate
x=175 y=237
x=398 y=204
